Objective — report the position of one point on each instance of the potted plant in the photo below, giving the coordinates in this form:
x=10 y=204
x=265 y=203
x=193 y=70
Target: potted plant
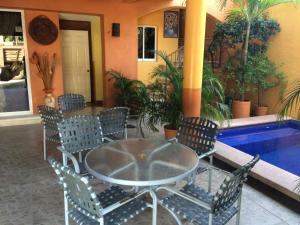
x=230 y=35
x=239 y=74
x=46 y=70
x=130 y=93
x=265 y=76
x=163 y=104
x=248 y=12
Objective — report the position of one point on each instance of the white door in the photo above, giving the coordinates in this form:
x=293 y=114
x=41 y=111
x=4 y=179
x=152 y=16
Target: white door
x=76 y=62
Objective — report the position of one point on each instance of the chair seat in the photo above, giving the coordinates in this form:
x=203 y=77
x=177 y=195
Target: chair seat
x=116 y=217
x=194 y=213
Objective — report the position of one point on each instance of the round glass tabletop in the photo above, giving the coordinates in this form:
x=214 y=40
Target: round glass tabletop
x=141 y=162
x=87 y=111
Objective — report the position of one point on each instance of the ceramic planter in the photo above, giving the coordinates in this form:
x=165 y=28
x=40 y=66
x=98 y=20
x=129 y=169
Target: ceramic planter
x=241 y=109
x=261 y=110
x=49 y=100
x=169 y=133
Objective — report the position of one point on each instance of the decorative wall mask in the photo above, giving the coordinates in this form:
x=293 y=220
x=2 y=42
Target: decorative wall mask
x=43 y=30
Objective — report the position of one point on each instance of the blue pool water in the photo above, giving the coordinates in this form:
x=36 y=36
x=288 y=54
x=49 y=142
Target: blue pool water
x=277 y=143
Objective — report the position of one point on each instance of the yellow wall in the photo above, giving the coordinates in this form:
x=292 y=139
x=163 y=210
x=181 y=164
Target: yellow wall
x=168 y=45
x=284 y=48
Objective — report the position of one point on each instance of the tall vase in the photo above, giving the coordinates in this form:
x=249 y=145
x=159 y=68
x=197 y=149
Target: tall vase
x=49 y=100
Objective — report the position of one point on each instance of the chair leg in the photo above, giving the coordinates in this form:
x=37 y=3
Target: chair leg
x=238 y=215
x=102 y=221
x=44 y=144
x=173 y=214
x=125 y=134
x=65 y=159
x=66 y=206
x=210 y=219
x=210 y=173
x=80 y=157
x=154 y=207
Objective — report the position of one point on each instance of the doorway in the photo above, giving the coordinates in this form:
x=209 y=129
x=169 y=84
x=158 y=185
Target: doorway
x=15 y=96
x=75 y=28
x=76 y=63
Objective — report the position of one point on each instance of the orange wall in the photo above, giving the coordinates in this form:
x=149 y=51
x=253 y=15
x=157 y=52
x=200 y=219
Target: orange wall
x=36 y=83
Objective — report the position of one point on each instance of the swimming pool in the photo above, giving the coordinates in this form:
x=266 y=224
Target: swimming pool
x=278 y=143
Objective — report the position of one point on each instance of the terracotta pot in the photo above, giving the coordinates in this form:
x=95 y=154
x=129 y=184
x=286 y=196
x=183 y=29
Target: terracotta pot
x=169 y=133
x=261 y=110
x=241 y=109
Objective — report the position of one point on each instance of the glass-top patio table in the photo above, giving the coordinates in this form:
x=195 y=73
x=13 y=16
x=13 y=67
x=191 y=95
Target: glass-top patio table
x=87 y=111
x=146 y=163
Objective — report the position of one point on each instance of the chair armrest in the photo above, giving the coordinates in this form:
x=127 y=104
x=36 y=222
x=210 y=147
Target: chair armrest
x=72 y=158
x=187 y=197
x=172 y=139
x=108 y=139
x=206 y=154
x=122 y=202
x=211 y=167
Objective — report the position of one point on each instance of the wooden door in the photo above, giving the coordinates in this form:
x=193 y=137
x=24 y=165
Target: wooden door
x=76 y=62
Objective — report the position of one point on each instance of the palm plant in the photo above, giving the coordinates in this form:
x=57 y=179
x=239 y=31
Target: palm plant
x=250 y=10
x=165 y=97
x=213 y=97
x=130 y=93
x=290 y=100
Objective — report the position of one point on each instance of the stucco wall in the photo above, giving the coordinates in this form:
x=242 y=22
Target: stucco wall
x=167 y=45
x=284 y=48
x=36 y=83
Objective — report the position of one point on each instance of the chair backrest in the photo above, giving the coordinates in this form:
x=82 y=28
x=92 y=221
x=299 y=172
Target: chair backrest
x=231 y=188
x=197 y=133
x=80 y=133
x=114 y=121
x=79 y=192
x=50 y=117
x=70 y=102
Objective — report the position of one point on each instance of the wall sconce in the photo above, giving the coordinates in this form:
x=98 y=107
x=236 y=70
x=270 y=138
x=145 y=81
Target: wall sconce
x=116 y=30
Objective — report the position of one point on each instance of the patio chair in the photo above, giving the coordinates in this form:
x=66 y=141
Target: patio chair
x=199 y=207
x=50 y=117
x=85 y=207
x=114 y=122
x=71 y=102
x=200 y=135
x=79 y=134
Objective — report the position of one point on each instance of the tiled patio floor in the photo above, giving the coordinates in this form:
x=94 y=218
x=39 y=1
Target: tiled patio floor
x=30 y=195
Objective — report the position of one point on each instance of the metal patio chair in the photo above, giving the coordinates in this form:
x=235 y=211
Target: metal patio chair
x=200 y=135
x=86 y=207
x=78 y=135
x=71 y=102
x=114 y=122
x=50 y=117
x=199 y=207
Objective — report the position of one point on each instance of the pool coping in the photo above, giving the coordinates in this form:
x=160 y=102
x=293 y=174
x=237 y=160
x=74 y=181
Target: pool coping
x=263 y=171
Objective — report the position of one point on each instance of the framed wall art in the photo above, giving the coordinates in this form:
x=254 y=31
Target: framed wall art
x=171 y=24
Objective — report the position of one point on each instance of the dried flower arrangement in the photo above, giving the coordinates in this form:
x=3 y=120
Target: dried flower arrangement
x=46 y=68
